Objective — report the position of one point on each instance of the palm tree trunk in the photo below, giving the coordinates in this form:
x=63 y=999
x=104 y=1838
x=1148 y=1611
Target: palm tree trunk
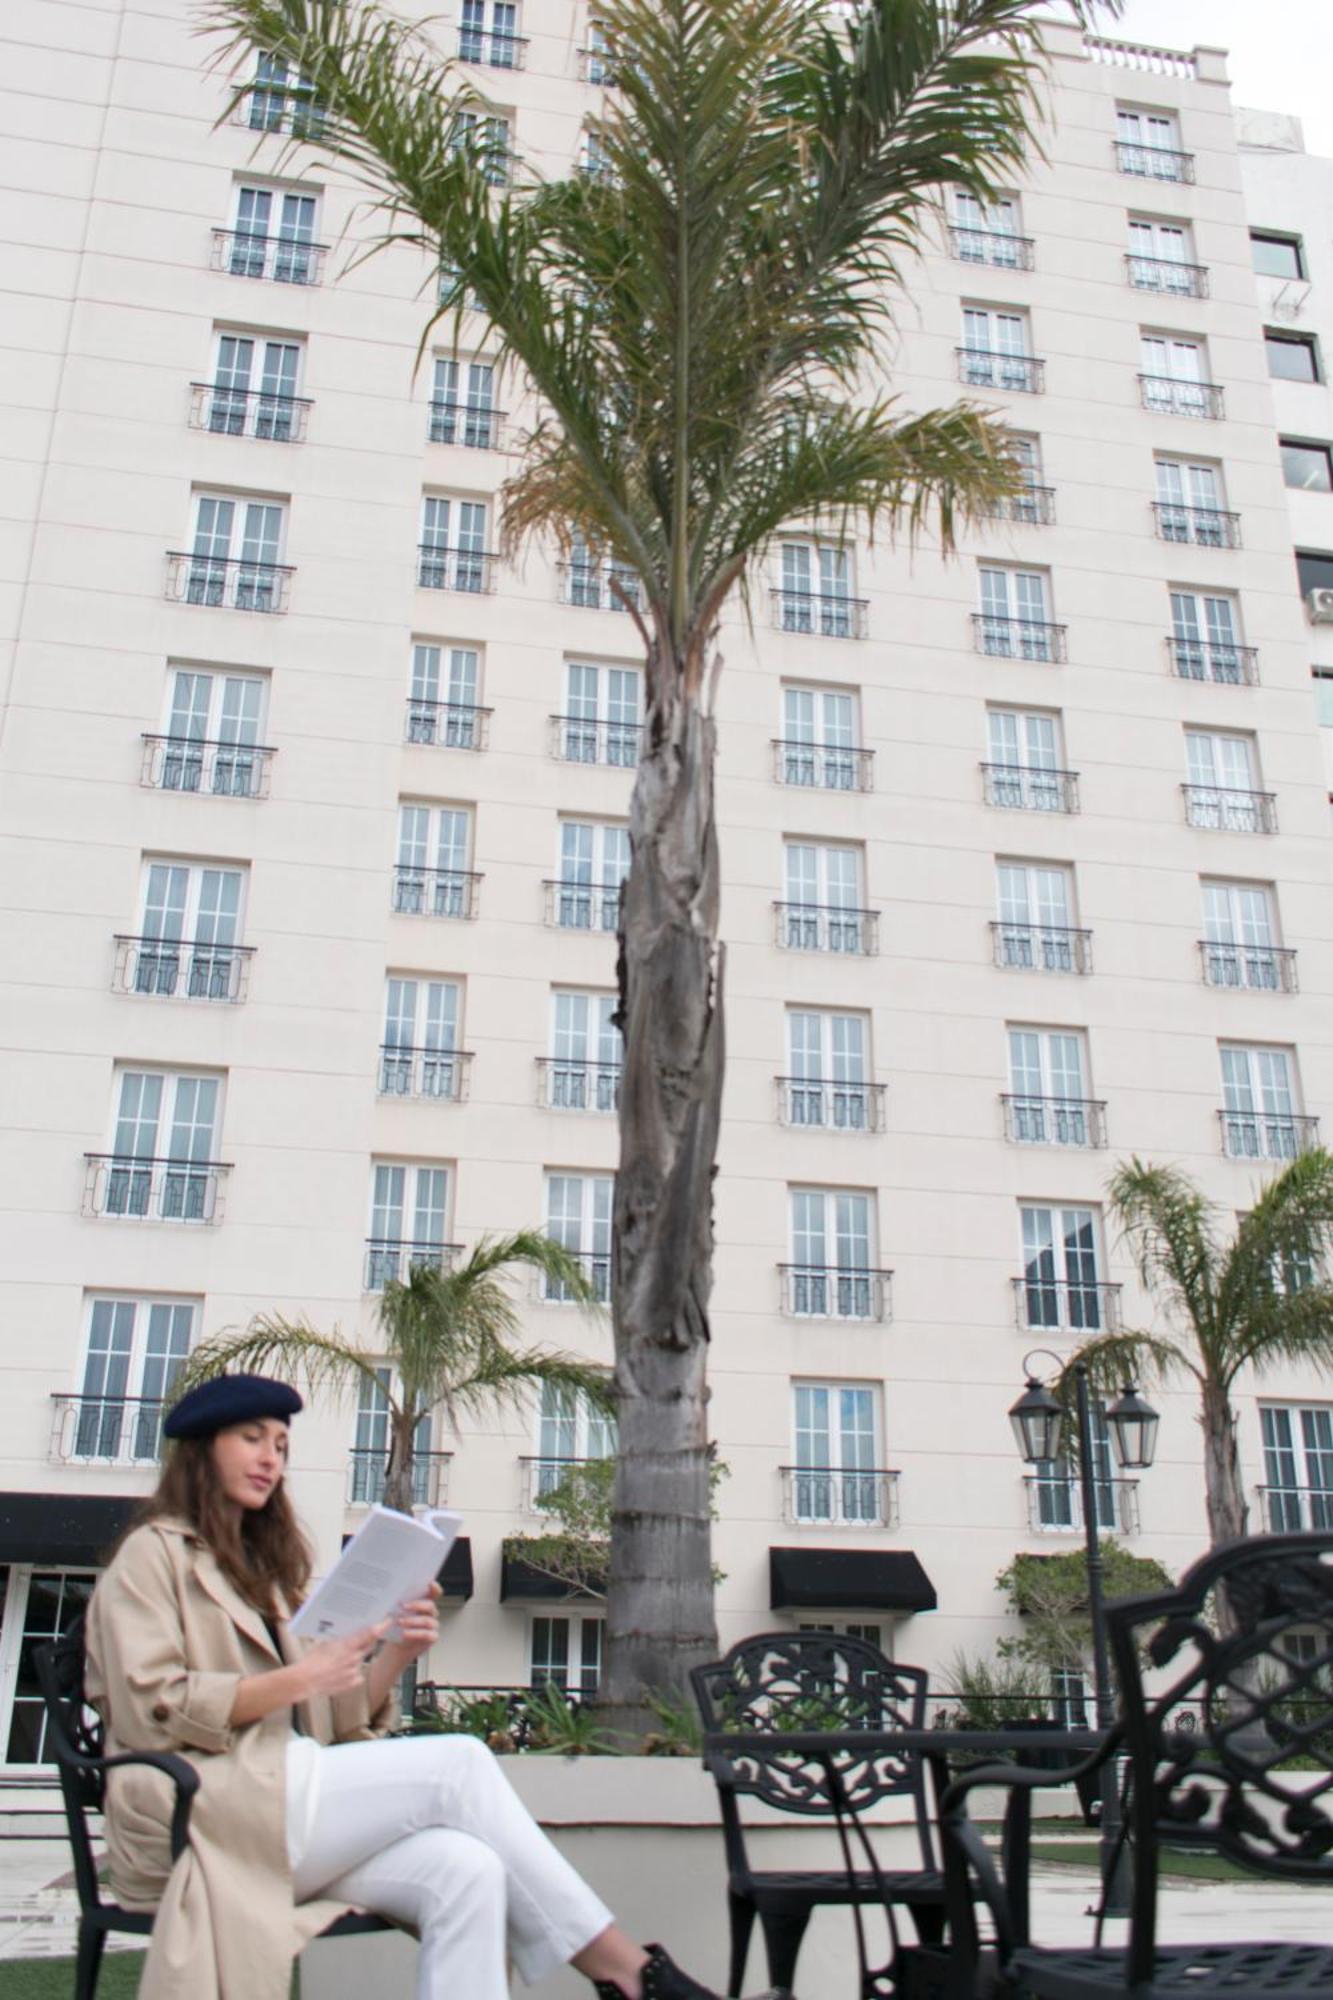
x=660 y=1590
x=399 y=1481
x=1228 y=1515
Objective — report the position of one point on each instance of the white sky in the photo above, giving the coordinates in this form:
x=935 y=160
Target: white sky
x=1281 y=51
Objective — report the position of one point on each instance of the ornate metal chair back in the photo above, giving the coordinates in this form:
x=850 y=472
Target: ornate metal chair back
x=73 y=1731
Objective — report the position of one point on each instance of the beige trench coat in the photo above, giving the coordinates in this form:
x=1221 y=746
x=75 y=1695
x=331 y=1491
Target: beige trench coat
x=169 y=1638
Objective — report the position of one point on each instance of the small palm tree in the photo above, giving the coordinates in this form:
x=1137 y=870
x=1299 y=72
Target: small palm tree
x=701 y=323
x=1257 y=1300
x=448 y=1344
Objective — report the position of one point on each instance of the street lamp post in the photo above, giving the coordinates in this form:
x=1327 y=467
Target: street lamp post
x=1038 y=1419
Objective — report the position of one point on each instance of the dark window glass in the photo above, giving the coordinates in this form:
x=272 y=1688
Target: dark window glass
x=1291 y=356
x=1277 y=256
x=1306 y=465
x=1315 y=570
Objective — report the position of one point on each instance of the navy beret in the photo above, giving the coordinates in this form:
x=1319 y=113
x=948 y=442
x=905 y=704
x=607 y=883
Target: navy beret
x=229 y=1399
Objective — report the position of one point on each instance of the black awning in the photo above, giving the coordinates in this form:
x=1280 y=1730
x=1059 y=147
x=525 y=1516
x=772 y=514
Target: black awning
x=76 y=1530
x=455 y=1572
x=522 y=1582
x=848 y=1580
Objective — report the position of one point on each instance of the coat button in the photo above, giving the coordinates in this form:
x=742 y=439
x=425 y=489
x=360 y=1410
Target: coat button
x=160 y=1711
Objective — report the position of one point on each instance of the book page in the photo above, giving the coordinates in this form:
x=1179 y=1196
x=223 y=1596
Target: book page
x=391 y=1559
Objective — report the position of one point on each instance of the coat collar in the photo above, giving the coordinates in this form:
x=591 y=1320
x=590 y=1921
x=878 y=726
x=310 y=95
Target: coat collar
x=210 y=1577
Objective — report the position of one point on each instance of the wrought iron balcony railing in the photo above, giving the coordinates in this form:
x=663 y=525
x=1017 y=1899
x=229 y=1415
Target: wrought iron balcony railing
x=181 y=968
x=1054 y=1121
x=566 y=1085
x=828 y=767
x=1041 y=948
x=826 y=927
x=990 y=246
x=136 y=1189
x=1163 y=274
x=1153 y=163
x=596 y=1267
x=1207 y=527
x=435 y=892
x=1032 y=505
x=475 y=425
x=471 y=570
x=989 y=368
x=1019 y=638
x=447 y=725
x=367 y=1470
x=1166 y=396
x=833 y=1291
x=493 y=47
x=276 y=107
x=392 y=1259
x=1029 y=788
x=106 y=1430
x=541 y=1476
x=252 y=413
x=246 y=253
x=1266 y=1135
x=821 y=614
x=228 y=583
x=582 y=906
x=599 y=586
x=439 y=1075
x=1225 y=809
x=199 y=764
x=1293 y=1509
x=1214 y=660
x=1055 y=1505
x=840 y=1497
x=816 y=1104
x=1258 y=968
x=1070 y=1306
x=578 y=739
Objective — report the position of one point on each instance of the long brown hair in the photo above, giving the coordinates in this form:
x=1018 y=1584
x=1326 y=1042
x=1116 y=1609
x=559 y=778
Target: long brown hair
x=260 y=1550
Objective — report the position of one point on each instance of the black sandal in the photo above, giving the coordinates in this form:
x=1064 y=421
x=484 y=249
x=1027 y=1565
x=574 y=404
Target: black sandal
x=662 y=1980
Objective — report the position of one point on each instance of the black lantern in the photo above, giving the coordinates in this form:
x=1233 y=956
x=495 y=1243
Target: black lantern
x=1132 y=1423
x=1038 y=1419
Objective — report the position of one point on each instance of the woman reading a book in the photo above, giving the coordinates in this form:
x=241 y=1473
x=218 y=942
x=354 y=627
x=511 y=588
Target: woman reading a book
x=305 y=1809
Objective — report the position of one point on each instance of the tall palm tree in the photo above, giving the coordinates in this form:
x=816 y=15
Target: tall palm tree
x=448 y=1343
x=1258 y=1299
x=700 y=323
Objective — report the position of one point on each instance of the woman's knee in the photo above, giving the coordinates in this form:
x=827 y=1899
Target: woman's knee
x=462 y=1759
x=466 y=1874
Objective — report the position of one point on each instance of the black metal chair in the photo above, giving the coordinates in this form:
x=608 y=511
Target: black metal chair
x=75 y=1739
x=783 y=1681
x=1226 y=1687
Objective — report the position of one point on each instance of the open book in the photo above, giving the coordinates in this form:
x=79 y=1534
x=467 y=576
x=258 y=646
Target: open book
x=391 y=1559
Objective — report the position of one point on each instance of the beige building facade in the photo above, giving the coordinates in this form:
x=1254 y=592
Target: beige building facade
x=314 y=818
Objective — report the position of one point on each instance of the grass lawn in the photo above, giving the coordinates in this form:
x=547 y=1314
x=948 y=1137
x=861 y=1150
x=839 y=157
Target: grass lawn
x=1181 y=1864
x=53 y=1978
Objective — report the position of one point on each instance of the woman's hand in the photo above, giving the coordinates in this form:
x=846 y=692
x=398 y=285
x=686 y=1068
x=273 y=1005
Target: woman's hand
x=336 y=1666
x=418 y=1626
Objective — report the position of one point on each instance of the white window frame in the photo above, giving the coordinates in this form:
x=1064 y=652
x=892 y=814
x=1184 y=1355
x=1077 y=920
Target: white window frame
x=1161 y=255
x=586 y=1055
x=1053 y=1114
x=171 y=1186
x=820 y=748
x=212 y=731
x=1025 y=753
x=817 y=588
x=370 y=1446
x=584 y=1634
x=1175 y=374
x=490 y=136
x=1297 y=1444
x=1015 y=612
x=433 y=873
x=1030 y=937
x=990 y=221
x=1240 y=933
x=578 y=901
x=252 y=537
x=603 y=713
x=849 y=1486
x=582 y=1225
x=568 y=1429
x=387 y=1253
x=452 y=551
x=1214 y=800
x=996 y=350
x=1261 y=1101
x=462 y=401
x=291 y=225
x=833 y=1286
x=119 y=1422
x=427 y=1064
x=1064 y=1268
x=1206 y=634
x=443 y=694
x=834 y=917
x=828 y=1084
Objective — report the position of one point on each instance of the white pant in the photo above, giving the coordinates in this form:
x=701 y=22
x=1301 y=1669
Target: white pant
x=427 y=1830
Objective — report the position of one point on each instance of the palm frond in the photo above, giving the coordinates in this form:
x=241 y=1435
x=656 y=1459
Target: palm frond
x=1113 y=1359
x=1281 y=1246
x=1285 y=1328
x=1167 y=1223
x=272 y=1344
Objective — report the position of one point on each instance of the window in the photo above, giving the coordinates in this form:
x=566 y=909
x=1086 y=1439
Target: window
x=570 y=1431
x=583 y=1070
x=163 y=1162
x=442 y=706
x=1292 y=357
x=135 y=1350
x=1205 y=639
x=462 y=406
x=1048 y=1103
x=1014 y=621
x=595 y=156
x=872 y=1634
x=828 y=1072
x=989 y=232
x=370 y=1448
x=462 y=563
x=601 y=721
x=816 y=591
x=1276 y=256
x=593 y=862
x=408 y=1207
x=1055 y=1488
x=1219 y=792
x=819 y=745
x=836 y=1477
x=578 y=1215
x=1035 y=931
x=420 y=1056
x=822 y=911
x=1147 y=144
x=1061 y=1287
x=281 y=101
x=41 y=1605
x=1306 y=465
x=831 y=1275
x=189 y=933
x=1191 y=506
x=253 y=391
x=997 y=351
x=235 y=558
x=1033 y=503
x=432 y=877
x=1161 y=258
x=1239 y=937
x=485 y=137
x=273 y=236
x=1298 y=1466
x=596 y=582
x=1070 y=1699
x=495 y=42
x=1314 y=570
x=598 y=67
x=1174 y=378
x=1024 y=769
x=1259 y=1116
x=566 y=1653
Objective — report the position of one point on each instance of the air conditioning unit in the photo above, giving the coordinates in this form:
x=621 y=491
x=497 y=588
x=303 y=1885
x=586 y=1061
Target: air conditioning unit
x=1319 y=604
